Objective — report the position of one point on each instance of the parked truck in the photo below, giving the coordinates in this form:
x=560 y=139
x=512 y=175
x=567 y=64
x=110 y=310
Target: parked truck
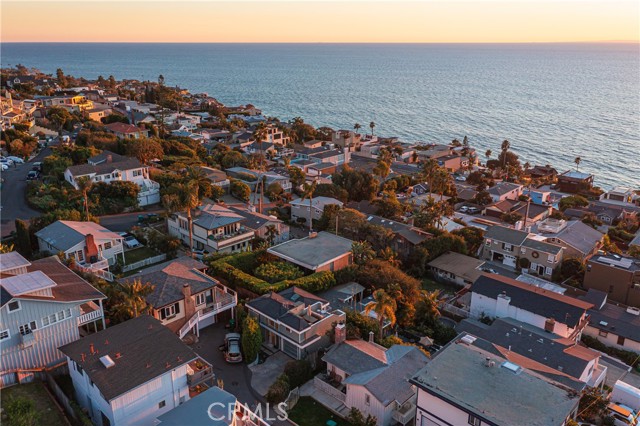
x=624 y=393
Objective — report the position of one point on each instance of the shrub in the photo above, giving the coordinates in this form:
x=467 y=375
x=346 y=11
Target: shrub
x=277 y=271
x=251 y=339
x=279 y=390
x=21 y=412
x=298 y=372
x=630 y=358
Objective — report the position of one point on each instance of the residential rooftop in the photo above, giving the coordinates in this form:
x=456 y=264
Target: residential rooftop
x=458 y=264
x=141 y=350
x=64 y=234
x=210 y=408
x=313 y=252
x=494 y=389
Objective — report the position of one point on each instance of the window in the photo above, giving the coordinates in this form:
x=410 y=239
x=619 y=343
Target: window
x=473 y=420
x=170 y=311
x=367 y=399
x=551 y=258
x=523 y=250
x=80 y=256
x=14 y=305
x=548 y=271
x=57 y=317
x=620 y=340
x=137 y=173
x=27 y=328
x=200 y=298
x=4 y=334
x=162 y=404
x=603 y=333
x=506 y=247
x=107 y=245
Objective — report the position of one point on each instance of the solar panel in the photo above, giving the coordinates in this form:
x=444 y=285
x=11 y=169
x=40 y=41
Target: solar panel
x=27 y=283
x=12 y=260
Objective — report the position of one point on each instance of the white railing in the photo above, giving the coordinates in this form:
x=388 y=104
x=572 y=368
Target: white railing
x=101 y=264
x=212 y=309
x=90 y=316
x=189 y=325
x=405 y=413
x=99 y=272
x=328 y=389
x=144 y=262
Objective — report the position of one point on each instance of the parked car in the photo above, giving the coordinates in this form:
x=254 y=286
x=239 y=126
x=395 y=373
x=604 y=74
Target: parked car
x=5 y=160
x=4 y=166
x=489 y=270
x=200 y=254
x=473 y=210
x=129 y=240
x=33 y=175
x=16 y=160
x=232 y=345
x=461 y=178
x=464 y=209
x=37 y=166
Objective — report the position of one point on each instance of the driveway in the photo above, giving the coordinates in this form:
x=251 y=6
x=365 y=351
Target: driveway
x=263 y=375
x=13 y=197
x=236 y=377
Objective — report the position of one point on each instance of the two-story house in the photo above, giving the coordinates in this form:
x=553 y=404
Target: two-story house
x=621 y=196
x=546 y=353
x=469 y=382
x=133 y=372
x=93 y=246
x=44 y=305
x=513 y=248
x=573 y=181
x=371 y=378
x=579 y=240
x=505 y=191
x=616 y=275
x=275 y=136
x=294 y=321
x=495 y=296
x=406 y=237
x=215 y=229
x=184 y=298
x=269 y=228
x=314 y=208
x=108 y=167
x=252 y=177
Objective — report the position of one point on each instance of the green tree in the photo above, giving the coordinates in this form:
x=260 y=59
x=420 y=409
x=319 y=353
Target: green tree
x=296 y=176
x=196 y=176
x=131 y=299
x=251 y=339
x=384 y=307
x=271 y=234
x=60 y=117
x=357 y=127
x=356 y=418
x=62 y=79
x=572 y=201
x=428 y=308
x=145 y=149
x=372 y=126
x=577 y=161
x=183 y=196
x=240 y=190
x=23 y=238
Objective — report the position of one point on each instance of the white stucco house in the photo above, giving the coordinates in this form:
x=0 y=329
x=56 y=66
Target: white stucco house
x=110 y=167
x=300 y=208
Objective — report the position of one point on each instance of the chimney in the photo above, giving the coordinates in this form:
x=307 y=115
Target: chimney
x=186 y=290
x=371 y=336
x=92 y=248
x=109 y=158
x=189 y=303
x=340 y=333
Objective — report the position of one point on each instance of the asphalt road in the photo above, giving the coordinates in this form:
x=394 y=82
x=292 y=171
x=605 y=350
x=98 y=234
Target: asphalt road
x=13 y=197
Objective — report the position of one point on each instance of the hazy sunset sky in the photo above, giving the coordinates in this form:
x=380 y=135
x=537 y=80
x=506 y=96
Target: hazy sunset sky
x=320 y=21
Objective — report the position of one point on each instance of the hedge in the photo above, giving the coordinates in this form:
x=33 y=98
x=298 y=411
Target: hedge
x=236 y=278
x=629 y=358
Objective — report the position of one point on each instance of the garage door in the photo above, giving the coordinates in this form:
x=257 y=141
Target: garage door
x=509 y=260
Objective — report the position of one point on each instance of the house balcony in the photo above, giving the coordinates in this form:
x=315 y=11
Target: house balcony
x=89 y=312
x=149 y=185
x=224 y=299
x=199 y=371
x=405 y=413
x=219 y=242
x=598 y=376
x=28 y=339
x=331 y=387
x=100 y=263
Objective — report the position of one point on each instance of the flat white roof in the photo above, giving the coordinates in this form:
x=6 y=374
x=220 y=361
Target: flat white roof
x=27 y=283
x=12 y=260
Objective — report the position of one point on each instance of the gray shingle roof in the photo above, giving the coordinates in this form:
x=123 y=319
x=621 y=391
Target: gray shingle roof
x=548 y=304
x=506 y=235
x=579 y=236
x=502 y=188
x=169 y=277
x=147 y=350
x=618 y=321
x=542 y=246
x=64 y=234
x=278 y=305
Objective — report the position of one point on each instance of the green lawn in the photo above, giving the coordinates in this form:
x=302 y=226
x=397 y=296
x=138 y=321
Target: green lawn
x=138 y=254
x=309 y=412
x=50 y=415
x=431 y=285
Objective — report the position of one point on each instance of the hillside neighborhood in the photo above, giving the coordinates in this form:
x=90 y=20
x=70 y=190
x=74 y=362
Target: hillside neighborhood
x=162 y=251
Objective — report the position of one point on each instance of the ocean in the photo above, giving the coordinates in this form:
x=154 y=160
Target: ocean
x=553 y=102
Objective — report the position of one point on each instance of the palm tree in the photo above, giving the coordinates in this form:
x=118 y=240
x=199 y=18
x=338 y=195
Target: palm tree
x=429 y=169
x=577 y=160
x=307 y=193
x=356 y=127
x=362 y=252
x=488 y=154
x=431 y=300
x=526 y=166
x=131 y=297
x=196 y=176
x=505 y=148
x=272 y=233
x=84 y=186
x=372 y=125
x=387 y=254
x=384 y=306
x=183 y=196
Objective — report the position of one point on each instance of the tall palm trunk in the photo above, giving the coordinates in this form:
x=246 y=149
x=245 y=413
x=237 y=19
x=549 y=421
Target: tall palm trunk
x=310 y=213
x=189 y=220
